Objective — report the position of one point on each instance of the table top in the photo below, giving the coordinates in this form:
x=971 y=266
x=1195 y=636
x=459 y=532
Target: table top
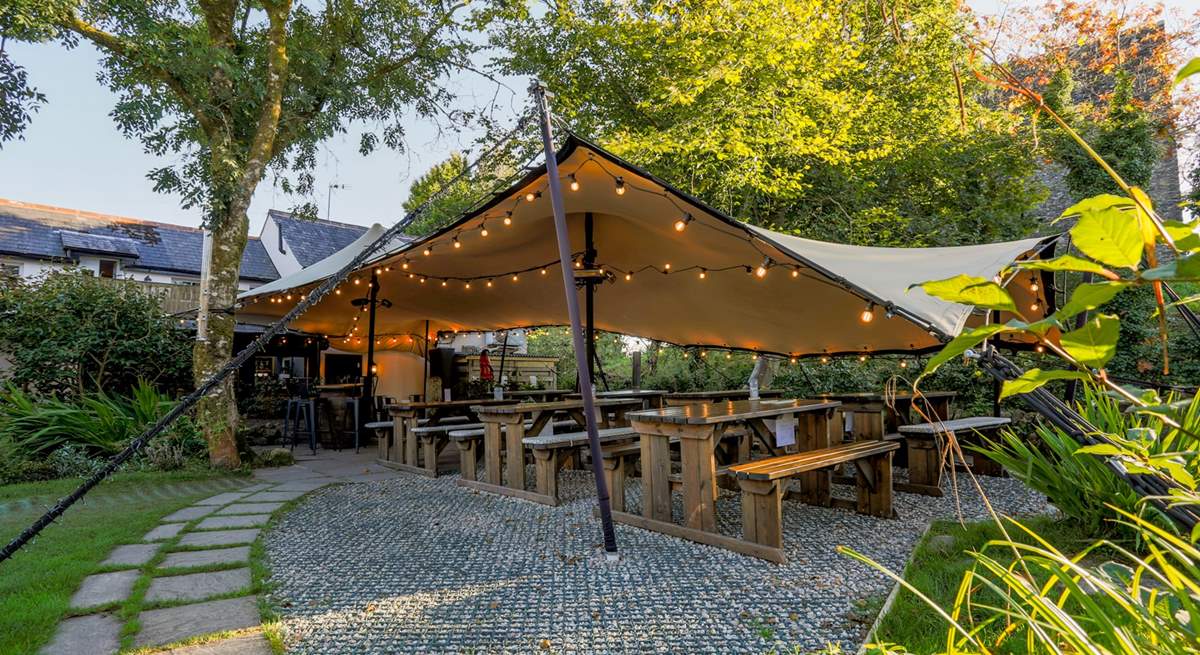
x=726 y=394
x=533 y=393
x=465 y=402
x=339 y=387
x=521 y=408
x=733 y=410
x=870 y=396
x=627 y=393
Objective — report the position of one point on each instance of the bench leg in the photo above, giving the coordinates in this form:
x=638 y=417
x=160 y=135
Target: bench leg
x=410 y=442
x=875 y=492
x=924 y=462
x=815 y=485
x=614 y=475
x=762 y=512
x=514 y=436
x=492 y=446
x=656 y=477
x=468 y=458
x=545 y=462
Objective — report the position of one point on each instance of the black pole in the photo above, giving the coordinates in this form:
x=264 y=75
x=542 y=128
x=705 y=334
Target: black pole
x=369 y=379
x=503 y=354
x=589 y=263
x=568 y=273
x=425 y=369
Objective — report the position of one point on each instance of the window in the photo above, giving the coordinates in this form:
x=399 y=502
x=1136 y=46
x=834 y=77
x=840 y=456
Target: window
x=108 y=268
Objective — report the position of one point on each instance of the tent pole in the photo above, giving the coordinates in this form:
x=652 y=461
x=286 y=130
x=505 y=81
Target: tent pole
x=369 y=378
x=425 y=369
x=538 y=91
x=589 y=262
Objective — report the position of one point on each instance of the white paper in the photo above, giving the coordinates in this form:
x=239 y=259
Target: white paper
x=498 y=393
x=446 y=395
x=785 y=432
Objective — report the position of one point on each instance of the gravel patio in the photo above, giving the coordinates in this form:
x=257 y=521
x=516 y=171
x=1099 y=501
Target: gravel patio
x=412 y=564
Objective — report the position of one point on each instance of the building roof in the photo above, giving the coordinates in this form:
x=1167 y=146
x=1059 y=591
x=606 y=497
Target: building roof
x=312 y=240
x=53 y=233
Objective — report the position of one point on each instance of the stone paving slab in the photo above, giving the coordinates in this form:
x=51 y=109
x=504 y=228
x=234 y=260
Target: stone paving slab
x=220 y=537
x=255 y=644
x=261 y=486
x=198 y=586
x=249 y=508
x=104 y=588
x=207 y=557
x=301 y=485
x=274 y=496
x=226 y=522
x=171 y=624
x=223 y=499
x=163 y=532
x=94 y=634
x=131 y=555
x=189 y=513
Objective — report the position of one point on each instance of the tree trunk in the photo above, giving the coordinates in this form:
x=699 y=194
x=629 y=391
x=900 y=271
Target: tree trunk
x=217 y=413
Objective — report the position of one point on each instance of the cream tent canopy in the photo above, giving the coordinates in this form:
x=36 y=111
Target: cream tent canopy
x=673 y=270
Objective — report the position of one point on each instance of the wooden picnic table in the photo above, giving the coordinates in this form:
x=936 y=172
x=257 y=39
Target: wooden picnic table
x=403 y=451
x=538 y=395
x=651 y=398
x=689 y=397
x=698 y=428
x=876 y=414
x=504 y=434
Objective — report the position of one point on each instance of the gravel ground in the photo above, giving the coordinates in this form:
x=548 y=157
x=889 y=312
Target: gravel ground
x=421 y=565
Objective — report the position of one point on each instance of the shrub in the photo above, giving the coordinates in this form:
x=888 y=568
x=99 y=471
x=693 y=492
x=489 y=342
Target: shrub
x=67 y=334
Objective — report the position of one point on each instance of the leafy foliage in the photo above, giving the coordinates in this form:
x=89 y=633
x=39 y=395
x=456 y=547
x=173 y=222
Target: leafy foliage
x=459 y=190
x=67 y=334
x=832 y=120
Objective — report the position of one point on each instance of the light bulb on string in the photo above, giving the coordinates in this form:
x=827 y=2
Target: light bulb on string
x=703 y=274
x=444 y=283
x=666 y=268
x=824 y=360
x=467 y=286
x=574 y=182
x=868 y=313
x=903 y=363
x=628 y=277
x=489 y=283
x=862 y=358
x=681 y=224
x=456 y=242
x=728 y=355
x=532 y=195
x=620 y=186
x=515 y=278
x=508 y=218
x=1034 y=307
x=1033 y=284
x=795 y=272
x=761 y=271
x=404 y=265
x=427 y=251
x=704 y=353
x=422 y=280
x=357 y=281
x=483 y=231
x=792 y=360
x=543 y=271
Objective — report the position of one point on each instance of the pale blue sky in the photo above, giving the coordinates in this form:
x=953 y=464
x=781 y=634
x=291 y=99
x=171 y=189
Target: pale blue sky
x=72 y=155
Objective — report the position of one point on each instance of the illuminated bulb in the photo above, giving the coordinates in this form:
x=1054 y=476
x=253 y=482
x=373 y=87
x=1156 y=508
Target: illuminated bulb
x=824 y=360
x=754 y=356
x=703 y=274
x=427 y=251
x=795 y=272
x=903 y=364
x=411 y=275
x=868 y=314
x=761 y=271
x=1034 y=307
x=728 y=355
x=681 y=224
x=620 y=186
x=515 y=278
x=378 y=271
x=862 y=358
x=443 y=283
x=483 y=231
x=489 y=283
x=289 y=296
x=574 y=182
x=793 y=360
x=686 y=355
x=628 y=276
x=422 y=280
x=578 y=264
x=468 y=285
x=543 y=271
x=337 y=291
x=704 y=353
x=457 y=243
x=666 y=267
x=1040 y=348
x=1033 y=284
x=301 y=296
x=508 y=218
x=356 y=280
x=532 y=195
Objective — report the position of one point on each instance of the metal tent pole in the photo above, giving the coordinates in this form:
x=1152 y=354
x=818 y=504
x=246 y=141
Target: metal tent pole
x=369 y=379
x=539 y=93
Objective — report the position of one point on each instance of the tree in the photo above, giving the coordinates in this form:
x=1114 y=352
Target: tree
x=460 y=189
x=233 y=88
x=67 y=334
x=835 y=120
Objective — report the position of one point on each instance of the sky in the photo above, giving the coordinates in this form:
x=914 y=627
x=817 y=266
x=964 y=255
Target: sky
x=72 y=155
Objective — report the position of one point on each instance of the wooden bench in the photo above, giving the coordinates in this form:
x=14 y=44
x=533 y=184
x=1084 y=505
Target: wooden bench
x=928 y=450
x=469 y=438
x=763 y=483
x=383 y=435
x=550 y=450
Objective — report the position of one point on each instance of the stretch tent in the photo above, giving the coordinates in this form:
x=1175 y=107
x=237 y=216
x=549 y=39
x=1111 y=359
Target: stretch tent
x=672 y=268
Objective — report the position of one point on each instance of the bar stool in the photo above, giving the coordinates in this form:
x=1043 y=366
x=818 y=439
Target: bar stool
x=304 y=422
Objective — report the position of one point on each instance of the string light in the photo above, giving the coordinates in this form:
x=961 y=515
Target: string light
x=628 y=277
x=489 y=283
x=357 y=281
x=728 y=355
x=795 y=272
x=427 y=251
x=515 y=277
x=681 y=224
x=703 y=273
x=574 y=182
x=868 y=314
x=862 y=358
x=1033 y=283
x=761 y=271
x=468 y=285
x=457 y=243
x=792 y=360
x=543 y=271
x=903 y=363
x=337 y=292
x=532 y=195
x=824 y=360
x=1040 y=348
x=508 y=218
x=1034 y=307
x=666 y=268
x=483 y=231
x=443 y=283
x=704 y=353
x=620 y=182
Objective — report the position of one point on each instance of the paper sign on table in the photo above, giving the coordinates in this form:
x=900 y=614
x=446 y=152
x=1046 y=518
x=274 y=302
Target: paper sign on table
x=785 y=432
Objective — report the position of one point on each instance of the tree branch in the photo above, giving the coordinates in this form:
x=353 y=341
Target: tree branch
x=128 y=51
x=265 y=133
x=383 y=70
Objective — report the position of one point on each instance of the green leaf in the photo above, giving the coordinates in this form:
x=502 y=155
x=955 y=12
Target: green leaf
x=1089 y=296
x=1184 y=234
x=1095 y=343
x=1189 y=69
x=970 y=290
x=1035 y=378
x=1102 y=449
x=1067 y=263
x=1107 y=231
x=962 y=343
x=1184 y=268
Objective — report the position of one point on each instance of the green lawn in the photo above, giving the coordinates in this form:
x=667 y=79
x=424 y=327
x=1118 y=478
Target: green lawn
x=37 y=583
x=937 y=569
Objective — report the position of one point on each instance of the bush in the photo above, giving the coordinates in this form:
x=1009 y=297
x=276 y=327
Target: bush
x=67 y=334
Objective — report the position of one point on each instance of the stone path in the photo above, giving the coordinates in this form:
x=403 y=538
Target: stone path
x=195 y=565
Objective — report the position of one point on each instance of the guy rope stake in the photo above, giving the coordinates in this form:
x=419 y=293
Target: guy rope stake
x=540 y=96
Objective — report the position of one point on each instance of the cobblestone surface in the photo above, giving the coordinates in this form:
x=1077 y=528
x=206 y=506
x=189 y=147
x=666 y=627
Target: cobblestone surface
x=421 y=565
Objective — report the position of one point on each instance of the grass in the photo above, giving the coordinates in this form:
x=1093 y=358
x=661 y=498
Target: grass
x=937 y=568
x=37 y=583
